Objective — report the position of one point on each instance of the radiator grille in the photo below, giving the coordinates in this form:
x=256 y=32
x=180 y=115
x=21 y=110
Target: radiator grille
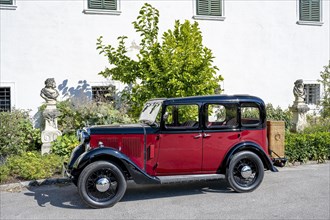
x=132 y=147
x=110 y=142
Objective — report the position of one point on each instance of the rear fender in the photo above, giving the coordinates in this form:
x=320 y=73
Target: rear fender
x=112 y=155
x=248 y=146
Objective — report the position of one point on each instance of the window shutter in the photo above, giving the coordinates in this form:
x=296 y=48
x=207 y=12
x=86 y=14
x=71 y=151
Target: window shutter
x=310 y=10
x=209 y=7
x=102 y=4
x=6 y=2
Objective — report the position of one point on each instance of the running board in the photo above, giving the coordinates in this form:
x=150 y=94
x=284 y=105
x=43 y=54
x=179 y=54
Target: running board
x=189 y=178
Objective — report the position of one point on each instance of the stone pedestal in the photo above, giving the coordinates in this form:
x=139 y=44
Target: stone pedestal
x=299 y=121
x=50 y=133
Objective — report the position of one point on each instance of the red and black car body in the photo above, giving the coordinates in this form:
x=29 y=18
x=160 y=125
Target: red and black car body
x=176 y=139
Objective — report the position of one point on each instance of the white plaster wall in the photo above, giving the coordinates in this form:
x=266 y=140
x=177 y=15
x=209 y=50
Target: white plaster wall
x=259 y=48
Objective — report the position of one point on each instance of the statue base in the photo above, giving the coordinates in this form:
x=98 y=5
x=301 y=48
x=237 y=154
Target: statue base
x=299 y=121
x=47 y=137
x=51 y=132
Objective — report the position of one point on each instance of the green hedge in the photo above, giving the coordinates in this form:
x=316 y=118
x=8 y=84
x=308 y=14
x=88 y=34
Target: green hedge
x=76 y=115
x=304 y=147
x=30 y=166
x=64 y=145
x=17 y=134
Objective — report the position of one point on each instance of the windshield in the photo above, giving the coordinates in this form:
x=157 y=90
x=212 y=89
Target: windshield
x=150 y=111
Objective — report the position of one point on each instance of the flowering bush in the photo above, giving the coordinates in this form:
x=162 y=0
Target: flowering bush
x=17 y=133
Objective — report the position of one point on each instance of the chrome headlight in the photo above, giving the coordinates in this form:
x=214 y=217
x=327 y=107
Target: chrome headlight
x=83 y=136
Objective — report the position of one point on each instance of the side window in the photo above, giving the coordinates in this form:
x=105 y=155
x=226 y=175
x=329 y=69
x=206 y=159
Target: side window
x=250 y=115
x=181 y=117
x=221 y=116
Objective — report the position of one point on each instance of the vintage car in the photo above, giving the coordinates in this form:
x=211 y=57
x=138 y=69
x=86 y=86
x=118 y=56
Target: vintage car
x=176 y=140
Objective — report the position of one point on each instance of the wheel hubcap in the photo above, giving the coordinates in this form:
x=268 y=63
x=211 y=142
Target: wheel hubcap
x=246 y=172
x=102 y=184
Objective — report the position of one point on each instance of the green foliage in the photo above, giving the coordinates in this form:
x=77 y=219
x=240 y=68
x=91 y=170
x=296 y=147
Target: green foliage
x=277 y=114
x=4 y=172
x=17 y=133
x=31 y=166
x=179 y=66
x=75 y=115
x=318 y=124
x=301 y=147
x=64 y=145
x=325 y=80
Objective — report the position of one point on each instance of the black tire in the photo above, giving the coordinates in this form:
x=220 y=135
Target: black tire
x=111 y=185
x=245 y=171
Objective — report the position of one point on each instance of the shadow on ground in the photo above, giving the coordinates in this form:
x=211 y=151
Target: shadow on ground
x=66 y=195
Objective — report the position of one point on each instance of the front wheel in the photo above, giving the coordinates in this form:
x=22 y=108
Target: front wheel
x=245 y=171
x=101 y=184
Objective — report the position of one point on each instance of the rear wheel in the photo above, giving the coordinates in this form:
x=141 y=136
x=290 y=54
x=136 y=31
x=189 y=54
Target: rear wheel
x=245 y=172
x=101 y=184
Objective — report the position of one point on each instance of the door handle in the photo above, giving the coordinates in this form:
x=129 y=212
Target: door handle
x=205 y=135
x=198 y=136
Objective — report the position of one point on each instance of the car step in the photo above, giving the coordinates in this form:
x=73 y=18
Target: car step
x=189 y=178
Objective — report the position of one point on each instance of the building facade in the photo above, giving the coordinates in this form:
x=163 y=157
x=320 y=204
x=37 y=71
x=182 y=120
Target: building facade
x=260 y=47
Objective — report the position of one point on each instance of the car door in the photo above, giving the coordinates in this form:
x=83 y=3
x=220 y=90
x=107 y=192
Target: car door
x=220 y=133
x=180 y=150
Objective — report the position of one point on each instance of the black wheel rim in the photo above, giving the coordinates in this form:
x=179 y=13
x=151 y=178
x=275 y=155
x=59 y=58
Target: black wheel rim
x=94 y=193
x=237 y=172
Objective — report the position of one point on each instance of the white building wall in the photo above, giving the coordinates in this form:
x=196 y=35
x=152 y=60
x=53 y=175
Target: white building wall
x=259 y=48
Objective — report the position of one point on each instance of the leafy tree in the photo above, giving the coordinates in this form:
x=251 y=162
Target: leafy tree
x=325 y=80
x=176 y=67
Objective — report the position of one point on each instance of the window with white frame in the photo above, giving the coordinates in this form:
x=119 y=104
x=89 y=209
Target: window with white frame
x=209 y=9
x=8 y=4
x=5 y=103
x=310 y=12
x=102 y=7
x=312 y=93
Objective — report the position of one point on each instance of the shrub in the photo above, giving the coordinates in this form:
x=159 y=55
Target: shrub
x=325 y=80
x=301 y=147
x=319 y=125
x=17 y=133
x=64 y=145
x=278 y=114
x=4 y=173
x=76 y=115
x=31 y=166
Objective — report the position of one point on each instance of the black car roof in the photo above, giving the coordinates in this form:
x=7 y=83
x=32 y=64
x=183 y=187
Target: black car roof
x=212 y=98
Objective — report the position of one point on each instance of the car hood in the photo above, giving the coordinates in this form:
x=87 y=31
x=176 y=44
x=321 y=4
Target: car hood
x=122 y=129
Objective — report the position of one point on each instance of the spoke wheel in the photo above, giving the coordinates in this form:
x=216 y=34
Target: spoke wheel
x=101 y=184
x=245 y=172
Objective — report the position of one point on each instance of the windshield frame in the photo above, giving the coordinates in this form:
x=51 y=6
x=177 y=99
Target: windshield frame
x=150 y=111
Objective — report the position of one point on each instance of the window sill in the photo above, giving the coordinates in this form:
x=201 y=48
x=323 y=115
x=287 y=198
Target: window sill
x=313 y=23
x=8 y=7
x=205 y=17
x=101 y=11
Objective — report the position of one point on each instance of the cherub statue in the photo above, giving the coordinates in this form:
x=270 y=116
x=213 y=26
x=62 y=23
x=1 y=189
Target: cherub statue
x=49 y=93
x=298 y=91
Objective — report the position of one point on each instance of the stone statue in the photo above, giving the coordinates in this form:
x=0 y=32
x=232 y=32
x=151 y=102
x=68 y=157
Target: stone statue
x=49 y=93
x=299 y=91
x=299 y=107
x=50 y=114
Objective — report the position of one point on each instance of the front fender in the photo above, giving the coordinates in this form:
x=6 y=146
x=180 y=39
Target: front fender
x=248 y=146
x=113 y=155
